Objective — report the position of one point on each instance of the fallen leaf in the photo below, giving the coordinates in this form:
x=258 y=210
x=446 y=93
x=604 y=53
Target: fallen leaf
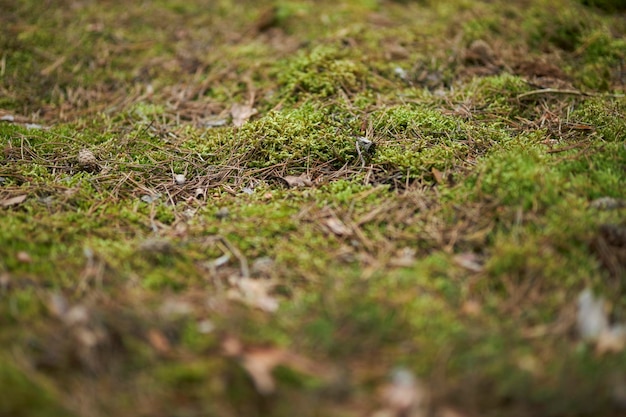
x=13 y=201
x=299 y=181
x=159 y=342
x=259 y=364
x=593 y=324
x=438 y=176
x=612 y=340
x=241 y=113
x=231 y=346
x=337 y=227
x=471 y=308
x=255 y=293
x=469 y=261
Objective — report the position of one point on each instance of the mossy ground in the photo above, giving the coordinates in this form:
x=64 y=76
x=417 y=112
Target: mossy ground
x=453 y=246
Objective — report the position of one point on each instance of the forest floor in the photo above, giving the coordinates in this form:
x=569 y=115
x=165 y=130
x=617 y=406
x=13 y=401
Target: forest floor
x=312 y=208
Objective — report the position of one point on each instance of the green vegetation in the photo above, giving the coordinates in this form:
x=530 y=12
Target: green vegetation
x=267 y=208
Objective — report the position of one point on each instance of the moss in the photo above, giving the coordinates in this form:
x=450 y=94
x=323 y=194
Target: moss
x=23 y=397
x=324 y=71
x=466 y=167
x=308 y=133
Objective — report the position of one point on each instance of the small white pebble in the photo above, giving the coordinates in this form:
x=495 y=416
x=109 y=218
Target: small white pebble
x=179 y=179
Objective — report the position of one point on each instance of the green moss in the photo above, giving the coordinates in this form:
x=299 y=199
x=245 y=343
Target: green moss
x=22 y=396
x=465 y=167
x=312 y=133
x=323 y=72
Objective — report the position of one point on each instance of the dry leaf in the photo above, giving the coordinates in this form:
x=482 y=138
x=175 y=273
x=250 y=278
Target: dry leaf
x=231 y=346
x=241 y=113
x=255 y=293
x=259 y=364
x=13 y=201
x=299 y=181
x=612 y=340
x=469 y=261
x=438 y=176
x=593 y=324
x=337 y=227
x=471 y=308
x=159 y=342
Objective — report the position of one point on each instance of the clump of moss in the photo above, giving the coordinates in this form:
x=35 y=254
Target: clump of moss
x=309 y=133
x=322 y=72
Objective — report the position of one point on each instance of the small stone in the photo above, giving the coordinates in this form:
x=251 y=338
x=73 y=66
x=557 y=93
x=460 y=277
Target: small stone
x=179 y=179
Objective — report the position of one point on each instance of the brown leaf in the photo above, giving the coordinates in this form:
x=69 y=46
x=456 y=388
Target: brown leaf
x=241 y=113
x=259 y=364
x=611 y=340
x=13 y=201
x=299 y=181
x=438 y=176
x=471 y=308
x=231 y=346
x=255 y=293
x=337 y=227
x=159 y=342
